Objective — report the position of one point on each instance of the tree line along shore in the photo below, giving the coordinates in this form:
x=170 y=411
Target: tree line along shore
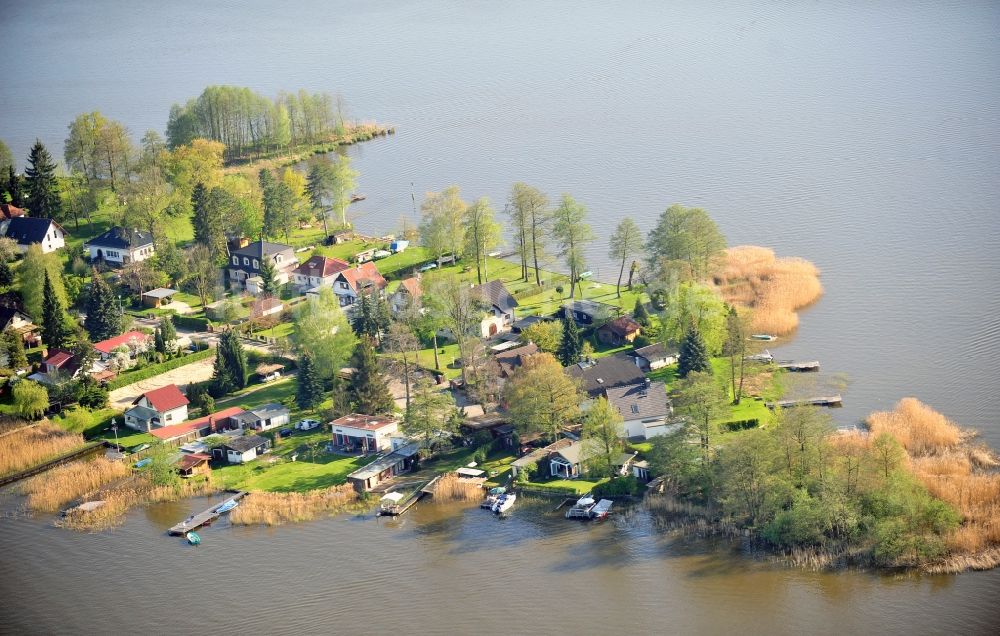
x=910 y=489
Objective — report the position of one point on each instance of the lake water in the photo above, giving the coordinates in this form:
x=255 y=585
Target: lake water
x=861 y=136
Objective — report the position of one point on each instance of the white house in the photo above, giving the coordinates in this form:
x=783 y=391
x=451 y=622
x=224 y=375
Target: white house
x=242 y=449
x=121 y=246
x=164 y=406
x=645 y=408
x=500 y=304
x=653 y=357
x=351 y=283
x=318 y=271
x=28 y=231
x=364 y=433
x=263 y=418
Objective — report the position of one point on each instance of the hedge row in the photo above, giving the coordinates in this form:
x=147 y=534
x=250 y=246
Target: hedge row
x=189 y=322
x=528 y=292
x=156 y=369
x=742 y=425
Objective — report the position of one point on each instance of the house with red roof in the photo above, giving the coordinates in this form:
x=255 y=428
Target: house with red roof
x=619 y=331
x=157 y=408
x=217 y=422
x=135 y=341
x=8 y=212
x=318 y=271
x=406 y=295
x=351 y=283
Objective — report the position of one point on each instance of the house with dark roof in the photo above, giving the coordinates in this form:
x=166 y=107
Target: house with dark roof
x=28 y=231
x=191 y=430
x=596 y=376
x=587 y=312
x=407 y=295
x=318 y=271
x=263 y=418
x=645 y=408
x=351 y=283
x=121 y=246
x=654 y=356
x=513 y=358
x=241 y=449
x=571 y=461
x=500 y=305
x=243 y=267
x=20 y=323
x=619 y=331
x=164 y=406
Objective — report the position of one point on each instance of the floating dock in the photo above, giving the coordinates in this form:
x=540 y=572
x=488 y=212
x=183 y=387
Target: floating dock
x=799 y=367
x=203 y=518
x=831 y=400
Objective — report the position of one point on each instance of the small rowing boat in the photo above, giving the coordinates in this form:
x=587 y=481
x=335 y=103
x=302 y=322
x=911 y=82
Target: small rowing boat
x=226 y=507
x=193 y=538
x=766 y=337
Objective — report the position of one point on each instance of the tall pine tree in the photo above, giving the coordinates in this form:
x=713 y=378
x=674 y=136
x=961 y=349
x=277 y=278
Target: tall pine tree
x=13 y=348
x=168 y=334
x=693 y=355
x=571 y=346
x=55 y=332
x=104 y=320
x=368 y=391
x=41 y=184
x=230 y=371
x=268 y=277
x=6 y=274
x=309 y=391
x=207 y=220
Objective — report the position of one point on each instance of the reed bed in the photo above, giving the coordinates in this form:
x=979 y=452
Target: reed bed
x=919 y=428
x=53 y=489
x=122 y=496
x=33 y=445
x=276 y=508
x=453 y=488
x=776 y=288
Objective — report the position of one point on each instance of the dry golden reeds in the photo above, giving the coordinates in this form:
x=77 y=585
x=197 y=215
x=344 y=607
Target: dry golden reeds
x=453 y=488
x=32 y=445
x=53 y=489
x=276 y=508
x=920 y=429
x=774 y=287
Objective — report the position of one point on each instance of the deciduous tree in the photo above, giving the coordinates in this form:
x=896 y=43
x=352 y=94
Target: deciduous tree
x=603 y=431
x=432 y=411
x=688 y=235
x=547 y=334
x=573 y=234
x=625 y=243
x=482 y=234
x=531 y=205
x=540 y=397
x=30 y=399
x=323 y=331
x=703 y=401
x=441 y=230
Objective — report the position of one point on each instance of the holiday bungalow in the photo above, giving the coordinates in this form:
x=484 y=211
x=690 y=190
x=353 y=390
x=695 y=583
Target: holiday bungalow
x=395 y=463
x=511 y=359
x=160 y=407
x=644 y=407
x=351 y=283
x=364 y=433
x=619 y=331
x=570 y=461
x=596 y=376
x=654 y=356
x=241 y=449
x=121 y=246
x=587 y=312
x=28 y=231
x=263 y=418
x=135 y=342
x=500 y=305
x=245 y=263
x=191 y=464
x=158 y=297
x=185 y=432
x=318 y=271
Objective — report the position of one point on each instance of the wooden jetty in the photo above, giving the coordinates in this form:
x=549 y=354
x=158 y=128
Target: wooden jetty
x=203 y=518
x=800 y=367
x=831 y=400
x=401 y=506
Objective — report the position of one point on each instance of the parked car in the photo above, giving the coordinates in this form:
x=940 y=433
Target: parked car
x=285 y=432
x=307 y=425
x=271 y=377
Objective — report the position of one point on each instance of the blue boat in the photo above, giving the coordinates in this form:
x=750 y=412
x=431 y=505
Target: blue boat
x=226 y=507
x=193 y=538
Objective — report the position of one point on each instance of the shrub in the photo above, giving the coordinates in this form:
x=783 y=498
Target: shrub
x=742 y=425
x=30 y=399
x=622 y=486
x=191 y=322
x=559 y=289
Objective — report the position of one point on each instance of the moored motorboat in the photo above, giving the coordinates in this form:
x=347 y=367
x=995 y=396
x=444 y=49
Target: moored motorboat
x=581 y=509
x=492 y=496
x=601 y=509
x=504 y=503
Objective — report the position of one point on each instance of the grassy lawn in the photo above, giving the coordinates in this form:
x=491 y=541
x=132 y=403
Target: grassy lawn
x=301 y=475
x=577 y=486
x=282 y=391
x=446 y=355
x=280 y=330
x=748 y=408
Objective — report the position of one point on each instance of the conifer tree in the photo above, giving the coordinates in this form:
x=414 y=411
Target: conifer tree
x=362 y=319
x=230 y=371
x=13 y=348
x=41 y=184
x=640 y=313
x=570 y=347
x=104 y=320
x=54 y=330
x=268 y=276
x=158 y=341
x=207 y=219
x=168 y=334
x=693 y=355
x=309 y=392
x=368 y=391
x=6 y=274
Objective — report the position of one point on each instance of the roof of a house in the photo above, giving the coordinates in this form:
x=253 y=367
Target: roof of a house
x=7 y=315
x=58 y=358
x=572 y=453
x=109 y=345
x=122 y=238
x=640 y=401
x=485 y=421
x=160 y=292
x=612 y=371
x=264 y=369
x=364 y=422
x=27 y=230
x=322 y=266
x=386 y=462
x=142 y=413
x=590 y=307
x=164 y=398
x=259 y=249
x=623 y=326
x=655 y=351
x=265 y=304
x=10 y=211
x=412 y=287
x=245 y=442
x=513 y=358
x=266 y=411
x=364 y=272
x=495 y=293
x=192 y=460
x=541 y=453
x=179 y=430
x=523 y=323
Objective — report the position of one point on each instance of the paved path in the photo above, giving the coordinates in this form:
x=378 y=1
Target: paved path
x=181 y=376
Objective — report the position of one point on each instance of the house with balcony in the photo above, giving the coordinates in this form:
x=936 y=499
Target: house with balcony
x=160 y=407
x=245 y=264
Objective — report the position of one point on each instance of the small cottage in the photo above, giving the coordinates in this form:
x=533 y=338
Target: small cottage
x=193 y=464
x=121 y=246
x=158 y=297
x=654 y=356
x=619 y=331
x=500 y=305
x=28 y=231
x=395 y=463
x=644 y=407
x=263 y=418
x=241 y=449
x=20 y=323
x=587 y=312
x=406 y=295
x=192 y=430
x=160 y=407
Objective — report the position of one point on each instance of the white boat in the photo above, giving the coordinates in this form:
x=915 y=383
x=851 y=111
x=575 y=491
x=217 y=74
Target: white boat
x=504 y=503
x=226 y=507
x=581 y=509
x=492 y=496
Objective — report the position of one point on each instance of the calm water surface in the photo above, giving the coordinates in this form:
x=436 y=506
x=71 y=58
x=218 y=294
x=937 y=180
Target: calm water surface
x=862 y=136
